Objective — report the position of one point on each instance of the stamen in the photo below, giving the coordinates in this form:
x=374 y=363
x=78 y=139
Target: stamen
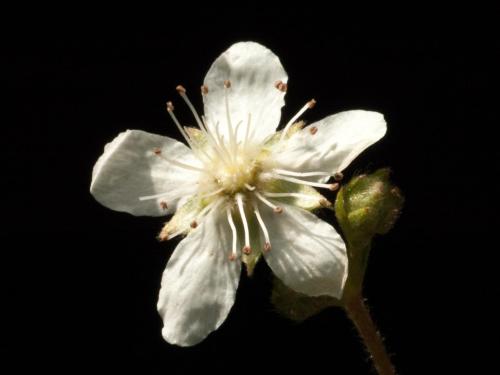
x=313 y=130
x=310 y=104
x=275 y=208
x=204 y=90
x=281 y=86
x=236 y=131
x=301 y=174
x=250 y=187
x=332 y=187
x=193 y=224
x=170 y=110
x=290 y=195
x=325 y=202
x=168 y=236
x=180 y=89
x=176 y=194
x=239 y=201
x=248 y=129
x=218 y=148
x=163 y=205
x=234 y=232
x=182 y=92
x=212 y=193
x=267 y=245
x=149 y=197
x=158 y=153
x=338 y=176
x=230 y=128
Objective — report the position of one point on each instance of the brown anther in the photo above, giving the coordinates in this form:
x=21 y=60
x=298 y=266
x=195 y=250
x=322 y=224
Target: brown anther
x=267 y=247
x=170 y=107
x=157 y=151
x=338 y=176
x=204 y=89
x=395 y=191
x=232 y=257
x=163 y=236
x=280 y=85
x=313 y=130
x=247 y=250
x=278 y=209
x=180 y=89
x=163 y=205
x=227 y=83
x=311 y=103
x=193 y=224
x=334 y=186
x=325 y=202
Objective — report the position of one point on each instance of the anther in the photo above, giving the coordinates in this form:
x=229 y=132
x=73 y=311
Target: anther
x=163 y=205
x=306 y=106
x=170 y=107
x=180 y=89
x=325 y=202
x=313 y=130
x=280 y=85
x=204 y=90
x=232 y=257
x=278 y=209
x=157 y=151
x=227 y=83
x=334 y=186
x=246 y=250
x=193 y=224
x=267 y=247
x=338 y=176
x=395 y=191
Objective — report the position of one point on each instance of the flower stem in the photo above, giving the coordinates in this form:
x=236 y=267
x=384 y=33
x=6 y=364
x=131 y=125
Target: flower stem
x=360 y=316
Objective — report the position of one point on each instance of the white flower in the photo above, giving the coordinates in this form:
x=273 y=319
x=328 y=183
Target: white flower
x=238 y=191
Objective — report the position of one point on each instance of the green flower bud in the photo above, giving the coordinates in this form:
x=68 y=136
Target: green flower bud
x=366 y=206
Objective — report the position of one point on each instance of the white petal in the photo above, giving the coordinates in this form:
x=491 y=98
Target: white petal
x=253 y=71
x=129 y=169
x=339 y=139
x=307 y=253
x=199 y=284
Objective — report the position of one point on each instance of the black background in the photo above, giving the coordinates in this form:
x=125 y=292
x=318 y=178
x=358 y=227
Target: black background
x=83 y=280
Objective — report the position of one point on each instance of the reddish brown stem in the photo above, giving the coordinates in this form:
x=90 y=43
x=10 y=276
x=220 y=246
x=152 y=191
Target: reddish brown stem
x=360 y=316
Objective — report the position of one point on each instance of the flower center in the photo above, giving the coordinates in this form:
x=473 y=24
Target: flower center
x=234 y=175
x=238 y=176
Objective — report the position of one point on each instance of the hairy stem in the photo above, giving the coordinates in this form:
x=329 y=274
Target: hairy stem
x=360 y=316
